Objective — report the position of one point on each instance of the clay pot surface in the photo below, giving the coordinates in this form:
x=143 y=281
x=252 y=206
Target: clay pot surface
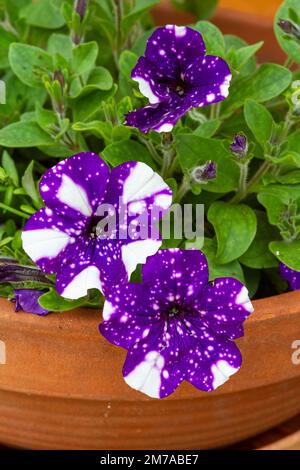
x=62 y=386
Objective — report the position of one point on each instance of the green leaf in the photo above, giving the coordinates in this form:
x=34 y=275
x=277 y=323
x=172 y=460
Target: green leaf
x=259 y=121
x=87 y=106
x=269 y=81
x=102 y=129
x=290 y=46
x=10 y=168
x=208 y=128
x=122 y=151
x=287 y=253
x=84 y=57
x=212 y=36
x=258 y=255
x=209 y=248
x=135 y=13
x=99 y=79
x=244 y=54
x=29 y=63
x=127 y=62
x=43 y=14
x=232 y=45
x=28 y=183
x=276 y=197
x=53 y=302
x=24 y=134
x=200 y=10
x=60 y=44
x=235 y=227
x=195 y=151
x=45 y=118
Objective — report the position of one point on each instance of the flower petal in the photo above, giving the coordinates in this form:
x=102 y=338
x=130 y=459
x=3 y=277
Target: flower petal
x=128 y=315
x=75 y=187
x=173 y=48
x=224 y=306
x=210 y=363
x=209 y=79
x=27 y=300
x=45 y=238
x=176 y=275
x=291 y=276
x=148 y=367
x=148 y=76
x=161 y=117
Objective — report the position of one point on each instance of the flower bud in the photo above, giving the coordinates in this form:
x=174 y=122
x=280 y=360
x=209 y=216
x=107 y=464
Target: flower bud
x=239 y=146
x=289 y=28
x=203 y=174
x=57 y=75
x=80 y=8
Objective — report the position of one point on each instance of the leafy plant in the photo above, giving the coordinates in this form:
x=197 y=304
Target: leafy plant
x=67 y=76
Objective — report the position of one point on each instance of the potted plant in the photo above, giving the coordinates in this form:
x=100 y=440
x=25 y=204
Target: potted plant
x=78 y=85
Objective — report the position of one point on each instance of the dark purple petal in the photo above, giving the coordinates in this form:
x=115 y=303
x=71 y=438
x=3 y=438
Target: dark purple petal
x=46 y=237
x=150 y=80
x=174 y=48
x=176 y=275
x=128 y=315
x=224 y=305
x=291 y=276
x=208 y=79
x=290 y=29
x=75 y=187
x=27 y=300
x=161 y=117
x=203 y=174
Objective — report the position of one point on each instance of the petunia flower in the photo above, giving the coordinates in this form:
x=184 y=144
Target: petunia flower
x=176 y=75
x=239 y=146
x=290 y=275
x=62 y=238
x=176 y=325
x=27 y=300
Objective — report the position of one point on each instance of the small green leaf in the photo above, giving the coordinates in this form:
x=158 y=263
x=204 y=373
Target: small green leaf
x=10 y=168
x=135 y=13
x=29 y=63
x=87 y=106
x=269 y=81
x=24 y=134
x=99 y=79
x=127 y=62
x=122 y=151
x=102 y=129
x=6 y=38
x=258 y=255
x=208 y=128
x=60 y=44
x=235 y=227
x=244 y=54
x=53 y=302
x=275 y=198
x=213 y=38
x=287 y=253
x=84 y=57
x=28 y=183
x=43 y=14
x=209 y=248
x=259 y=121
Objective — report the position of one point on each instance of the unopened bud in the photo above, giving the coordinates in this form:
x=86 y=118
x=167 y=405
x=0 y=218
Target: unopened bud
x=290 y=29
x=80 y=8
x=57 y=75
x=203 y=174
x=239 y=146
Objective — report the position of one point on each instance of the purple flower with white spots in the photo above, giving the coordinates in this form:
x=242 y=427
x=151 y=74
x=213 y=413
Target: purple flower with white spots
x=177 y=325
x=290 y=275
x=62 y=238
x=176 y=75
x=27 y=300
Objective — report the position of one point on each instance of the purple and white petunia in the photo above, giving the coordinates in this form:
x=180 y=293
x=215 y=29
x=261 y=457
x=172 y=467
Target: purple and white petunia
x=290 y=275
x=62 y=238
x=176 y=75
x=177 y=325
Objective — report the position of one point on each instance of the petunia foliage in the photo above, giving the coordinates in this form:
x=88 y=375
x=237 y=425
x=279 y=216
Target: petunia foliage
x=99 y=107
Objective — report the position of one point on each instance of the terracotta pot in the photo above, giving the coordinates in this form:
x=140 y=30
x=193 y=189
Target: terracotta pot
x=246 y=21
x=62 y=387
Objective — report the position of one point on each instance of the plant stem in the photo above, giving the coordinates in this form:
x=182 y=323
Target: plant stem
x=182 y=190
x=14 y=211
x=288 y=62
x=118 y=11
x=168 y=153
x=152 y=150
x=263 y=169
